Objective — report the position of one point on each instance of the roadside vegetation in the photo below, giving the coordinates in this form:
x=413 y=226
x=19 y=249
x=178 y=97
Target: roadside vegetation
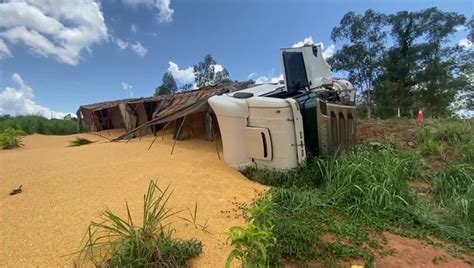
x=123 y=242
x=79 y=142
x=336 y=208
x=31 y=124
x=10 y=138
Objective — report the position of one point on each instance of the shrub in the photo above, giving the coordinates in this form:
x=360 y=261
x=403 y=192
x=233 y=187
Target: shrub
x=118 y=242
x=37 y=124
x=80 y=142
x=251 y=245
x=10 y=138
x=255 y=245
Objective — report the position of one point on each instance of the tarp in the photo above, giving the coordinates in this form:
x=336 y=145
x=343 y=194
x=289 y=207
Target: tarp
x=177 y=106
x=140 y=116
x=199 y=106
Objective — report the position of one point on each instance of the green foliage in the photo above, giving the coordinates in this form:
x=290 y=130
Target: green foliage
x=37 y=124
x=453 y=190
x=120 y=242
x=251 y=245
x=336 y=208
x=254 y=245
x=206 y=74
x=430 y=147
x=10 y=138
x=454 y=134
x=80 y=142
x=420 y=70
x=186 y=87
x=360 y=56
x=467 y=151
x=168 y=85
x=455 y=184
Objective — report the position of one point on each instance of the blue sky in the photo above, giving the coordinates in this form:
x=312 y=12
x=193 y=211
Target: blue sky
x=125 y=46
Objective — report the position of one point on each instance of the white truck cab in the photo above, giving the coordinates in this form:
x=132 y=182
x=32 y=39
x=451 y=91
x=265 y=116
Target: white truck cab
x=279 y=125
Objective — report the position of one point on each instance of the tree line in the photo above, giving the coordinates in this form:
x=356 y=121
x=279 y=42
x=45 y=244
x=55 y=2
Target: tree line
x=406 y=61
x=399 y=63
x=205 y=74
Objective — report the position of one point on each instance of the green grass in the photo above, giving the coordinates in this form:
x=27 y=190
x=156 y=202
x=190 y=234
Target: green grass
x=456 y=135
x=121 y=242
x=79 y=142
x=10 y=138
x=430 y=147
x=37 y=124
x=336 y=208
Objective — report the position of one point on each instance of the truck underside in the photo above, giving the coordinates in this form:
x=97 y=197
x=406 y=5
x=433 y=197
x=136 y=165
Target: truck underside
x=278 y=126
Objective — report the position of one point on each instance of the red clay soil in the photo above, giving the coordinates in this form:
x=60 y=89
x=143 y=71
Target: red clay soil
x=415 y=253
x=395 y=131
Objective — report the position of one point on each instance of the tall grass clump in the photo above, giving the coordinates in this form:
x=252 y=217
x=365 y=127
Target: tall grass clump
x=453 y=191
x=454 y=131
x=337 y=207
x=122 y=242
x=37 y=124
x=370 y=181
x=79 y=142
x=346 y=196
x=10 y=138
x=430 y=147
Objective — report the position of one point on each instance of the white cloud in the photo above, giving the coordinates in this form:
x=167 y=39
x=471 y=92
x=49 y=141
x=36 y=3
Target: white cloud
x=19 y=100
x=327 y=53
x=138 y=49
x=4 y=51
x=121 y=44
x=465 y=43
x=62 y=29
x=186 y=76
x=218 y=68
x=182 y=76
x=129 y=88
x=134 y=28
x=264 y=79
x=307 y=41
x=165 y=13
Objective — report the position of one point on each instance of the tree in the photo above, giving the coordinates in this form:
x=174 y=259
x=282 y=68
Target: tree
x=206 y=75
x=465 y=71
x=419 y=70
x=360 y=56
x=394 y=87
x=168 y=85
x=187 y=87
x=439 y=79
x=222 y=76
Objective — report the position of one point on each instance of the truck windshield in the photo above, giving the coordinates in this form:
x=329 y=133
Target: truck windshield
x=295 y=71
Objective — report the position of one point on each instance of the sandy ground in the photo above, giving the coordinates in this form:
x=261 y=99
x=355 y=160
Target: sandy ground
x=64 y=188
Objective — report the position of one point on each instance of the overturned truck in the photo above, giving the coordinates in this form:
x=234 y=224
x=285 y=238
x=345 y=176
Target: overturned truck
x=278 y=126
